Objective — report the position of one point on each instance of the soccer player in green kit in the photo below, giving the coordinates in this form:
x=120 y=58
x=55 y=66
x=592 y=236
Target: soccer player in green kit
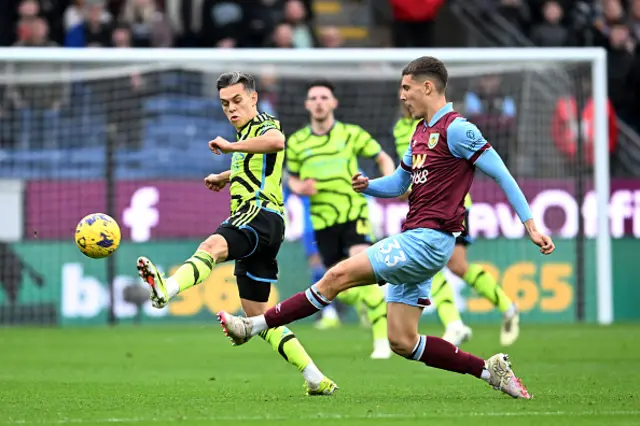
x=442 y=294
x=321 y=158
x=252 y=235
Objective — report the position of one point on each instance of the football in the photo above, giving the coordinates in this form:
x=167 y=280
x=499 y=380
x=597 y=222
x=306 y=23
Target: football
x=97 y=235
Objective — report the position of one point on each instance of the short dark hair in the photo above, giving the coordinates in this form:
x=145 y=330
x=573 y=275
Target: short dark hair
x=430 y=68
x=322 y=83
x=230 y=78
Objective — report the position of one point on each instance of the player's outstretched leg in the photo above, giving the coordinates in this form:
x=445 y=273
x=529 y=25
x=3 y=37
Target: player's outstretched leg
x=283 y=341
x=405 y=309
x=443 y=298
x=193 y=271
x=486 y=285
x=353 y=272
x=371 y=298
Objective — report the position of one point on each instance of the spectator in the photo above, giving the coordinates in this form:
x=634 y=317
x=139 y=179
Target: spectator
x=28 y=10
x=97 y=32
x=295 y=15
x=282 y=37
x=564 y=127
x=414 y=21
x=619 y=66
x=612 y=13
x=185 y=17
x=223 y=23
x=38 y=104
x=148 y=25
x=551 y=33
x=330 y=37
x=74 y=20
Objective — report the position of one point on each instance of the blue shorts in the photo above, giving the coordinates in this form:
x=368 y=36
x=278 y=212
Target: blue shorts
x=308 y=236
x=408 y=261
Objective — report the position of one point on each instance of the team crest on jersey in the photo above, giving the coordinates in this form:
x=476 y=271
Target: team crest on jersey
x=433 y=140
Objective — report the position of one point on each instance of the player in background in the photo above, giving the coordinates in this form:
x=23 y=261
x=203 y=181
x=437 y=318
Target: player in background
x=442 y=294
x=314 y=261
x=321 y=158
x=255 y=229
x=439 y=164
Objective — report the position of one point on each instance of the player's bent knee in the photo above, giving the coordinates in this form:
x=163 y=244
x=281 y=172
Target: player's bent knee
x=216 y=246
x=401 y=343
x=333 y=281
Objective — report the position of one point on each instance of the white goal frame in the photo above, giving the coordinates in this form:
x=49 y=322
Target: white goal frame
x=501 y=56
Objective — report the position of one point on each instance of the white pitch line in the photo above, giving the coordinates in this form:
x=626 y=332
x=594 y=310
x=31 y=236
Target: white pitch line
x=323 y=416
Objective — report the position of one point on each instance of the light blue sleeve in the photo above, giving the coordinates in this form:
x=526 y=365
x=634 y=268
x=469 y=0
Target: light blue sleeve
x=394 y=185
x=465 y=140
x=407 y=161
x=390 y=186
x=491 y=164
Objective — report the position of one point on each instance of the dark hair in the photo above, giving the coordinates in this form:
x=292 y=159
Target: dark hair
x=322 y=83
x=230 y=78
x=430 y=68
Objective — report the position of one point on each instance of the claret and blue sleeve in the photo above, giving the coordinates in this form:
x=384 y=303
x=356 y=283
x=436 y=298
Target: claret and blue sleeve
x=394 y=185
x=466 y=141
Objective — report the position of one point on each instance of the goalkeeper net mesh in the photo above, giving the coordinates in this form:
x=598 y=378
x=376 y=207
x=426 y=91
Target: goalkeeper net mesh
x=131 y=140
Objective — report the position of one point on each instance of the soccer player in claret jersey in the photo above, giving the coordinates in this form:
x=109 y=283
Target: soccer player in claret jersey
x=442 y=294
x=253 y=233
x=440 y=163
x=321 y=158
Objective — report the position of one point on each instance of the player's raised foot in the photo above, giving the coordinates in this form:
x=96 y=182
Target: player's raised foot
x=381 y=349
x=325 y=387
x=150 y=275
x=237 y=329
x=502 y=377
x=510 y=327
x=457 y=334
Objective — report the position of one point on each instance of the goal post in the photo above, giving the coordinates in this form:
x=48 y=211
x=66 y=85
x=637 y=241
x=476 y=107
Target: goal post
x=369 y=79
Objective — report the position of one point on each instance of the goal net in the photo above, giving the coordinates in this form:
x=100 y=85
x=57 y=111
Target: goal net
x=126 y=133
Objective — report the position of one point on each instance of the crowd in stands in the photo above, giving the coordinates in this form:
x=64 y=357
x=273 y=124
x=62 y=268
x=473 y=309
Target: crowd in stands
x=612 y=24
x=163 y=23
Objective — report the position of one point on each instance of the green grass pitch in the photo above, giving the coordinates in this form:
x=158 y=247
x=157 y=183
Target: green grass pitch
x=191 y=375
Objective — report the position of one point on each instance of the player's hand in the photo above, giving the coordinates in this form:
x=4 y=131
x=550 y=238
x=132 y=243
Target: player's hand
x=215 y=182
x=220 y=146
x=359 y=183
x=307 y=187
x=543 y=241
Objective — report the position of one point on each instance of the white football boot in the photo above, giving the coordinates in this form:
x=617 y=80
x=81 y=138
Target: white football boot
x=502 y=377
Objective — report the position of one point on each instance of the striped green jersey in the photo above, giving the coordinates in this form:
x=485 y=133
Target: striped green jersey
x=257 y=178
x=402 y=133
x=331 y=160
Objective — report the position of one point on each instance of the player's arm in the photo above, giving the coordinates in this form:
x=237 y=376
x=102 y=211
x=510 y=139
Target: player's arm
x=466 y=141
x=367 y=146
x=217 y=181
x=391 y=186
x=268 y=141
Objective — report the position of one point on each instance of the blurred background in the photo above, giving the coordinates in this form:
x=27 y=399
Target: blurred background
x=130 y=139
